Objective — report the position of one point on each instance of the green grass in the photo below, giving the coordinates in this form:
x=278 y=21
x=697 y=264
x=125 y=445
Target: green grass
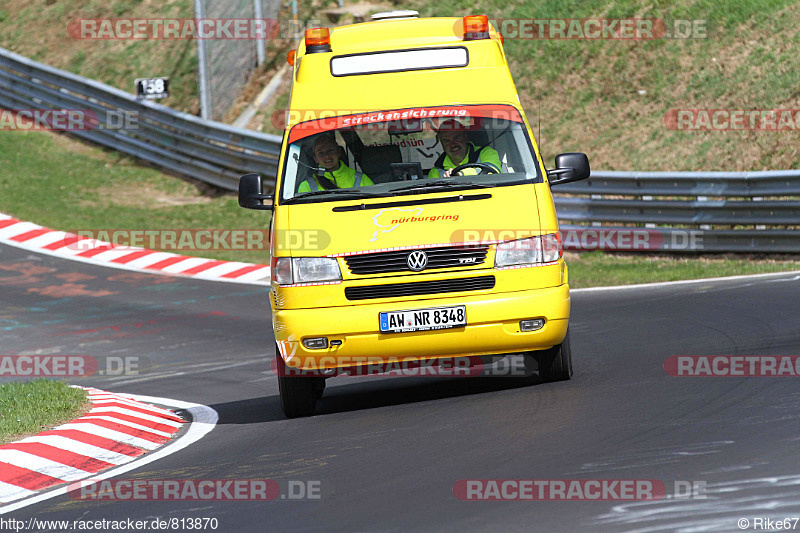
x=36 y=406
x=599 y=269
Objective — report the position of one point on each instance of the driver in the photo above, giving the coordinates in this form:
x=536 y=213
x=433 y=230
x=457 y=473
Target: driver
x=337 y=175
x=458 y=151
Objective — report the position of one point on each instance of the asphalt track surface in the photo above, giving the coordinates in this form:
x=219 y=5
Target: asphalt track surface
x=387 y=452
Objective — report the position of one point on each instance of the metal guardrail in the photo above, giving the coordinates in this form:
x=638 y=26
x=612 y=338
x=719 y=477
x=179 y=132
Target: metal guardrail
x=208 y=151
x=687 y=211
x=744 y=184
x=757 y=212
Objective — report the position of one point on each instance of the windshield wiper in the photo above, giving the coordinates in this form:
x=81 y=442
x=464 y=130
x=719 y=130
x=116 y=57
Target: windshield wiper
x=355 y=194
x=433 y=184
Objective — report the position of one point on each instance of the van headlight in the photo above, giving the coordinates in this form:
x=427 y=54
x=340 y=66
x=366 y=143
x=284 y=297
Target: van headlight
x=530 y=251
x=290 y=270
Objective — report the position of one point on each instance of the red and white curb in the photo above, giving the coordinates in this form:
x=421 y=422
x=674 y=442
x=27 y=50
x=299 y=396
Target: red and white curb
x=112 y=438
x=33 y=237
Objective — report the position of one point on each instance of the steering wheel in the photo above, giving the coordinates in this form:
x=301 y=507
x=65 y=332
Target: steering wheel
x=482 y=166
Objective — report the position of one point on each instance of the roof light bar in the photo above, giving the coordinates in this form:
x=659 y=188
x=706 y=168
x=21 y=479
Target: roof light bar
x=476 y=27
x=318 y=40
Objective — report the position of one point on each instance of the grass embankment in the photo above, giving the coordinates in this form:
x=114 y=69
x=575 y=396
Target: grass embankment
x=608 y=98
x=30 y=408
x=38 y=29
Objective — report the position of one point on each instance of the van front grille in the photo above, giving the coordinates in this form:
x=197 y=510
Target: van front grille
x=393 y=290
x=397 y=261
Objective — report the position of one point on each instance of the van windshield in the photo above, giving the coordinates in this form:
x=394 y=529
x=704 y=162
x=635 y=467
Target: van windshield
x=407 y=151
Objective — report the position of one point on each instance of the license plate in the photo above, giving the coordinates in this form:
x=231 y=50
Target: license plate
x=423 y=319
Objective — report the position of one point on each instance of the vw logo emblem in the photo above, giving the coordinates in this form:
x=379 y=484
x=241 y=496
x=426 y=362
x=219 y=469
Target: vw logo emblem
x=417 y=260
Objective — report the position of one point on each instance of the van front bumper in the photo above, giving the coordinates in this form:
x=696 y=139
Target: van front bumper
x=492 y=328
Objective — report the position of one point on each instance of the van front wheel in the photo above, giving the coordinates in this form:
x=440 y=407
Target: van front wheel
x=555 y=364
x=298 y=393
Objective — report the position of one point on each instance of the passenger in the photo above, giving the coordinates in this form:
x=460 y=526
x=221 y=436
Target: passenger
x=337 y=174
x=458 y=151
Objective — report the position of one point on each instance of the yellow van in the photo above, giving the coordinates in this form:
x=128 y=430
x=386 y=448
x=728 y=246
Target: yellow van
x=412 y=214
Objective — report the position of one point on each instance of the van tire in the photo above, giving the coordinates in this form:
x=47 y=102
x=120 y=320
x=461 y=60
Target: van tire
x=319 y=387
x=555 y=364
x=298 y=393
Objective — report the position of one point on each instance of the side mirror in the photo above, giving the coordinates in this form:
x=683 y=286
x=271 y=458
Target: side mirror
x=250 y=196
x=572 y=166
